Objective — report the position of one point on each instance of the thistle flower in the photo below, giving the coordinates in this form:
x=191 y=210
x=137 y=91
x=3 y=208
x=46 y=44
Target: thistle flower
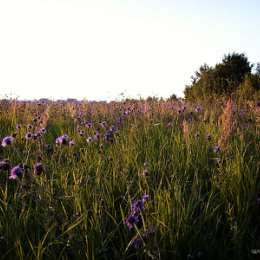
x=145 y=172
x=89 y=139
x=5 y=165
x=112 y=128
x=38 y=169
x=208 y=137
x=217 y=149
x=7 y=141
x=71 y=143
x=28 y=135
x=43 y=130
x=104 y=123
x=37 y=136
x=198 y=109
x=62 y=140
x=88 y=125
x=145 y=197
x=136 y=206
x=16 y=172
x=97 y=135
x=141 y=239
x=138 y=242
x=131 y=220
x=109 y=137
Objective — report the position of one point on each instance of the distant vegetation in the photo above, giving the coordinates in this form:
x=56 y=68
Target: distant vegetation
x=233 y=77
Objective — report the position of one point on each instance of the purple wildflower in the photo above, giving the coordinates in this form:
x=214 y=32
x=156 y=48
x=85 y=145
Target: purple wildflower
x=89 y=139
x=16 y=172
x=198 y=109
x=208 y=137
x=145 y=172
x=28 y=135
x=141 y=239
x=127 y=112
x=38 y=169
x=71 y=143
x=7 y=141
x=18 y=126
x=97 y=135
x=137 y=206
x=131 y=220
x=146 y=164
x=197 y=134
x=217 y=149
x=43 y=130
x=145 y=197
x=104 y=123
x=109 y=137
x=138 y=242
x=62 y=139
x=37 y=135
x=88 y=125
x=112 y=128
x=5 y=165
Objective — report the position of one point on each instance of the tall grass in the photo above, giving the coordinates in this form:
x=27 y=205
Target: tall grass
x=203 y=203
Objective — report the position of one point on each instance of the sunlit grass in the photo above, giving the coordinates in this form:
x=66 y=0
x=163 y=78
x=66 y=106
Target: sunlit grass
x=202 y=204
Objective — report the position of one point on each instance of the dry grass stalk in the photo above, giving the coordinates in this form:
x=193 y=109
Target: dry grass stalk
x=225 y=126
x=186 y=128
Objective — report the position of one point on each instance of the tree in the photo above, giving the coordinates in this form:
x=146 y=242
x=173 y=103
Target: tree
x=223 y=79
x=258 y=69
x=173 y=97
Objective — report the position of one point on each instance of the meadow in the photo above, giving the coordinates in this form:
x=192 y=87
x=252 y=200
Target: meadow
x=137 y=179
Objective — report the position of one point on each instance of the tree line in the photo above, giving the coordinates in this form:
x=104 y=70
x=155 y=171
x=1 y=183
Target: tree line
x=233 y=77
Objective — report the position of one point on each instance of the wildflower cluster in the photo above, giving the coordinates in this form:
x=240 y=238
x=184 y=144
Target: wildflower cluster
x=134 y=217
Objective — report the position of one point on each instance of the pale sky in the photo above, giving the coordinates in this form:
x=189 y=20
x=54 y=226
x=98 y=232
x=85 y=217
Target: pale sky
x=99 y=49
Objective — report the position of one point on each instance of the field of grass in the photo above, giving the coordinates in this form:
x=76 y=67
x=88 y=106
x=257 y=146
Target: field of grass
x=129 y=180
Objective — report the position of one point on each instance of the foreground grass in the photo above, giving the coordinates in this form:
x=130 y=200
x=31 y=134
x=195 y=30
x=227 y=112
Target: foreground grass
x=203 y=203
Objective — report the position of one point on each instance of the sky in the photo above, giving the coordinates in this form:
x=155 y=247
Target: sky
x=116 y=49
